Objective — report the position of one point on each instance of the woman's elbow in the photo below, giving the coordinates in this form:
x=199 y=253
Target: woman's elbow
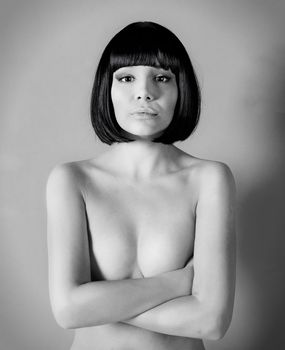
x=65 y=317
x=218 y=326
x=73 y=315
x=66 y=314
x=211 y=326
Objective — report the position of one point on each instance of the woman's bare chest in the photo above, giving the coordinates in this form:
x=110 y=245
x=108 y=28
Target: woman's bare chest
x=140 y=230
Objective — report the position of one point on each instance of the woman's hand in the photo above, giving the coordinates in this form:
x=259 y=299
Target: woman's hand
x=180 y=280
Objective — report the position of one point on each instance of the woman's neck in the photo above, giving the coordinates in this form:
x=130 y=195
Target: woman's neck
x=142 y=159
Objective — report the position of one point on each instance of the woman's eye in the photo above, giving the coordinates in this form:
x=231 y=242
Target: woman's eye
x=130 y=78
x=126 y=79
x=162 y=78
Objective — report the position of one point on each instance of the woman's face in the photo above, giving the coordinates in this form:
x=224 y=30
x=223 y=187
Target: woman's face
x=144 y=99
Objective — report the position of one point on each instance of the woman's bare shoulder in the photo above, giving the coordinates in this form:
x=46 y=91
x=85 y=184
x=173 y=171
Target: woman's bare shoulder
x=216 y=178
x=65 y=170
x=206 y=171
x=70 y=174
x=74 y=169
x=208 y=178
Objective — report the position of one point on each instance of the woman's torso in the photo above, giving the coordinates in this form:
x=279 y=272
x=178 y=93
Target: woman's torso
x=137 y=229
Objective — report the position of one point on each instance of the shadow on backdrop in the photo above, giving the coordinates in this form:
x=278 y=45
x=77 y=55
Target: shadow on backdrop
x=262 y=218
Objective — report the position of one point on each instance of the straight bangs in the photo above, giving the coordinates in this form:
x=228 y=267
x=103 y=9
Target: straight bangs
x=137 y=55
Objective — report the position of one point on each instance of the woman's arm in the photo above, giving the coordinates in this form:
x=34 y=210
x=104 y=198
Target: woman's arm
x=207 y=312
x=76 y=300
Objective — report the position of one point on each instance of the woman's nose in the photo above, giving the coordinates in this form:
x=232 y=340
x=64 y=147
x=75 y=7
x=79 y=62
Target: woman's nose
x=145 y=92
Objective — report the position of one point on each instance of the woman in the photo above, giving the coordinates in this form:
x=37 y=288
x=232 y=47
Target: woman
x=141 y=239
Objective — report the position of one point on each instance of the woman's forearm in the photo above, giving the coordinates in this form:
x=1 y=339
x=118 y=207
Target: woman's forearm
x=184 y=316
x=102 y=302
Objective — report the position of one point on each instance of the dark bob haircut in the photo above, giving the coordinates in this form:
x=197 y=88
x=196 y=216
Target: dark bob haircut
x=147 y=44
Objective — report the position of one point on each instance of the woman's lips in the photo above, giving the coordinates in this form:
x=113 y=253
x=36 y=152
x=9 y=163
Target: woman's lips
x=144 y=113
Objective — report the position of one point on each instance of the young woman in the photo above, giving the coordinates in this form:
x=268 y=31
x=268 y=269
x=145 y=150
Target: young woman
x=141 y=239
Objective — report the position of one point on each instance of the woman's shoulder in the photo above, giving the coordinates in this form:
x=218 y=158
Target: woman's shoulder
x=70 y=175
x=73 y=169
x=209 y=179
x=65 y=170
x=207 y=167
x=206 y=172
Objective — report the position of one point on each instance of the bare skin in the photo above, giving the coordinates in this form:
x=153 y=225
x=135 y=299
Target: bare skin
x=121 y=253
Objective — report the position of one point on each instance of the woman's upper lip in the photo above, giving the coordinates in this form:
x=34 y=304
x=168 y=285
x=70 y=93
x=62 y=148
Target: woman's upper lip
x=145 y=110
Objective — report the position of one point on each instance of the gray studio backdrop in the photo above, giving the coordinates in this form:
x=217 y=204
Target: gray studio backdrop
x=49 y=51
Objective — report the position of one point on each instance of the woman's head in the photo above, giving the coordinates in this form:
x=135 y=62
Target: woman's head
x=151 y=45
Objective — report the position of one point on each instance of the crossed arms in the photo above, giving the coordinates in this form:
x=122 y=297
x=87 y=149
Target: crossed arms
x=195 y=301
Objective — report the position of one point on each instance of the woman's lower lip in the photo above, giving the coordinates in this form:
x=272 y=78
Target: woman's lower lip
x=144 y=115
